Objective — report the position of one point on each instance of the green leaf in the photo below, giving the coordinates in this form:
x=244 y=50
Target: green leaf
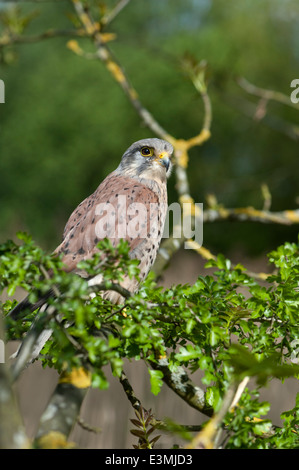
x=213 y=397
x=156 y=380
x=246 y=363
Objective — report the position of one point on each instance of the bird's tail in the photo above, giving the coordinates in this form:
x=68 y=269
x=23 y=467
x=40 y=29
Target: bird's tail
x=25 y=306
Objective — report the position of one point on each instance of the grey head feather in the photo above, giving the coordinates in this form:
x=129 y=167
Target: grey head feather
x=134 y=164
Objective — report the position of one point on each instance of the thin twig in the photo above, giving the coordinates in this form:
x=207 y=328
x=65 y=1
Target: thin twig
x=34 y=341
x=33 y=1
x=206 y=438
x=10 y=39
x=135 y=402
x=88 y=427
x=12 y=432
x=265 y=93
x=128 y=389
x=111 y=15
x=249 y=109
x=250 y=214
x=106 y=286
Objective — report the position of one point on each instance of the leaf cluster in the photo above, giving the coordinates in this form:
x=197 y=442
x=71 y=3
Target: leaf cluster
x=227 y=326
x=144 y=427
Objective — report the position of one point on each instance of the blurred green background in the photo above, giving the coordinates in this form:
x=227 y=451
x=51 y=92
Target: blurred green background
x=66 y=123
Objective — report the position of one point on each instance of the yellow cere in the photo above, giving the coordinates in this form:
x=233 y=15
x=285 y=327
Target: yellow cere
x=163 y=154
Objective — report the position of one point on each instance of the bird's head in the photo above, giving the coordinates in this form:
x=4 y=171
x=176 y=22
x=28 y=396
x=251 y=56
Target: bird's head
x=147 y=158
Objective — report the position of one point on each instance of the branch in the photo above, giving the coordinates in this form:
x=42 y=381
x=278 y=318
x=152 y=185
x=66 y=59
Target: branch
x=39 y=334
x=10 y=39
x=106 y=286
x=268 y=95
x=12 y=433
x=206 y=438
x=33 y=1
x=111 y=15
x=128 y=389
x=156 y=423
x=34 y=341
x=172 y=244
x=118 y=73
x=181 y=146
x=181 y=384
x=62 y=412
x=207 y=255
x=249 y=109
x=249 y=214
x=91 y=29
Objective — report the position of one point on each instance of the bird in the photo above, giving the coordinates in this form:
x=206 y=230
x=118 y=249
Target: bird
x=130 y=204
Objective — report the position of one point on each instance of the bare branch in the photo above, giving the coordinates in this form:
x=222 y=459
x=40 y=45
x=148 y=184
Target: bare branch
x=249 y=109
x=172 y=244
x=118 y=73
x=181 y=384
x=128 y=389
x=34 y=341
x=33 y=1
x=10 y=39
x=12 y=433
x=206 y=438
x=104 y=286
x=249 y=214
x=111 y=15
x=63 y=409
x=268 y=95
x=181 y=146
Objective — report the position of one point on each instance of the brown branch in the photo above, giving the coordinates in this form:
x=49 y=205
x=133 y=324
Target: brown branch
x=128 y=389
x=136 y=404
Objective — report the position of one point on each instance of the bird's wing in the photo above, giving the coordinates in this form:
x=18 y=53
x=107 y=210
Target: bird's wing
x=82 y=232
x=118 y=209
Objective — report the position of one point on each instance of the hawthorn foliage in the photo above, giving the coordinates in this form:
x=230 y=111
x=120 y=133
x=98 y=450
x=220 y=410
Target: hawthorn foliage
x=228 y=325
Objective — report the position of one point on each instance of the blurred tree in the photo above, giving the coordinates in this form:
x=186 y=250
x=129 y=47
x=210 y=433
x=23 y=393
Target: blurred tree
x=47 y=133
x=49 y=139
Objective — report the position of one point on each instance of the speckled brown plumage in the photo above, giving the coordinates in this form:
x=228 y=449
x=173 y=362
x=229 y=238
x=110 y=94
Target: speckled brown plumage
x=138 y=180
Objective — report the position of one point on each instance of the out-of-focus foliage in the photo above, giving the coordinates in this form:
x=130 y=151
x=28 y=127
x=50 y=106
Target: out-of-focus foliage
x=210 y=326
x=65 y=123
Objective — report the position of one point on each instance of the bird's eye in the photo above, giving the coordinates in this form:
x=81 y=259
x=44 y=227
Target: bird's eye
x=147 y=151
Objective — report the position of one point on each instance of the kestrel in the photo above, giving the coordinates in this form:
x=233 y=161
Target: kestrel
x=130 y=204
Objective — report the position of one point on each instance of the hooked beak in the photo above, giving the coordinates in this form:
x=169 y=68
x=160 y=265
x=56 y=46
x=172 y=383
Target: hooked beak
x=164 y=160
